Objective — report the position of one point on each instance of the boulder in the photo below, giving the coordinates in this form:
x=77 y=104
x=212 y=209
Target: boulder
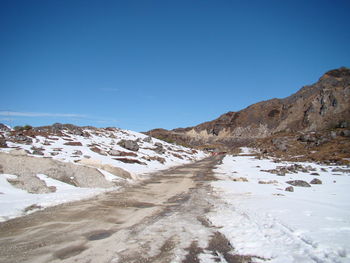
x=316 y=181
x=3 y=143
x=300 y=183
x=289 y=189
x=148 y=139
x=129 y=145
x=345 y=133
x=280 y=144
x=78 y=152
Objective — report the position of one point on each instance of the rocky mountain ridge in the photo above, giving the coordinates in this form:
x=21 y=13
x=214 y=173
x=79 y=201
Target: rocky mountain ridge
x=321 y=106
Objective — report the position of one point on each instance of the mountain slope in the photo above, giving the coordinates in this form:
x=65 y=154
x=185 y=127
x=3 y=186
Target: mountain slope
x=320 y=106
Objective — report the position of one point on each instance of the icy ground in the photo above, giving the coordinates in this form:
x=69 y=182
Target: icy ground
x=311 y=224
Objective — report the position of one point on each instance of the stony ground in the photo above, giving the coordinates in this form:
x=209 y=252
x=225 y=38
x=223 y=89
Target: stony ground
x=159 y=220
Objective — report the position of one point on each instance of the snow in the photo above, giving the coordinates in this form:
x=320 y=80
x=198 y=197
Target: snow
x=13 y=201
x=309 y=224
x=108 y=140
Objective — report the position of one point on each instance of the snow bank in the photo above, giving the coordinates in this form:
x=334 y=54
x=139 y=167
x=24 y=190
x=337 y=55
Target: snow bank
x=262 y=219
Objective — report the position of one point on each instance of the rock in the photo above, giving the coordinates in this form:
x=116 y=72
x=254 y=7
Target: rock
x=280 y=144
x=300 y=183
x=37 y=152
x=148 y=139
x=316 y=181
x=334 y=134
x=317 y=174
x=114 y=152
x=154 y=158
x=132 y=161
x=240 y=179
x=343 y=124
x=345 y=133
x=268 y=182
x=78 y=152
x=3 y=143
x=21 y=139
x=4 y=128
x=107 y=167
x=129 y=145
x=98 y=150
x=289 y=189
x=121 y=153
x=73 y=143
x=159 y=150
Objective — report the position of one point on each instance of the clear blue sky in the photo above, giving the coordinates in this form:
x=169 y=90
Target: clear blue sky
x=146 y=64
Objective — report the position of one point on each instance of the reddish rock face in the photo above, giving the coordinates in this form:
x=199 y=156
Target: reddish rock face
x=320 y=106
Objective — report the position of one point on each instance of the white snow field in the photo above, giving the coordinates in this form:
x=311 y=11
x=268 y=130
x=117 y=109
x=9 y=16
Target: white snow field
x=311 y=224
x=14 y=201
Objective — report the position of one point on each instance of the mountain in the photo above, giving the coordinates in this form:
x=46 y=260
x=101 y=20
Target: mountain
x=323 y=105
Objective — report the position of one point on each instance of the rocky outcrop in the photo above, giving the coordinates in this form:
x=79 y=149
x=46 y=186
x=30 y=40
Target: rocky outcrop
x=27 y=167
x=323 y=105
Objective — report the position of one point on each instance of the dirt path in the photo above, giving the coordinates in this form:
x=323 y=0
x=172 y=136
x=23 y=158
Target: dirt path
x=160 y=220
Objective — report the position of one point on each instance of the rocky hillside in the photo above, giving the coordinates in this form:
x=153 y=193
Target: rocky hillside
x=103 y=148
x=323 y=105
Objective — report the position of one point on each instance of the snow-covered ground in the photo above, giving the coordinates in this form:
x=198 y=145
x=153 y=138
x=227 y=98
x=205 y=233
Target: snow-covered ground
x=311 y=224
x=14 y=201
x=107 y=140
x=152 y=155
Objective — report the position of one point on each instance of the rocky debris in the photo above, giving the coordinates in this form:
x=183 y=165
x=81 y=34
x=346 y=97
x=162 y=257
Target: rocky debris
x=268 y=182
x=316 y=139
x=289 y=189
x=345 y=133
x=98 y=150
x=341 y=170
x=38 y=152
x=240 y=179
x=4 y=128
x=129 y=145
x=148 y=139
x=280 y=143
x=72 y=143
x=300 y=183
x=121 y=153
x=316 y=181
x=294 y=168
x=20 y=138
x=344 y=124
x=177 y=155
x=316 y=174
x=77 y=152
x=131 y=161
x=154 y=158
x=3 y=143
x=159 y=148
x=32 y=207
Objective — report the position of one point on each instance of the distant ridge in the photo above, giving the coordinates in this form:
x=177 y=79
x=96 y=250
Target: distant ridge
x=320 y=106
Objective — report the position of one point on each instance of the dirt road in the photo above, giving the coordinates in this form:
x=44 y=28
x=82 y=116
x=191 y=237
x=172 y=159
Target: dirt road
x=160 y=220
